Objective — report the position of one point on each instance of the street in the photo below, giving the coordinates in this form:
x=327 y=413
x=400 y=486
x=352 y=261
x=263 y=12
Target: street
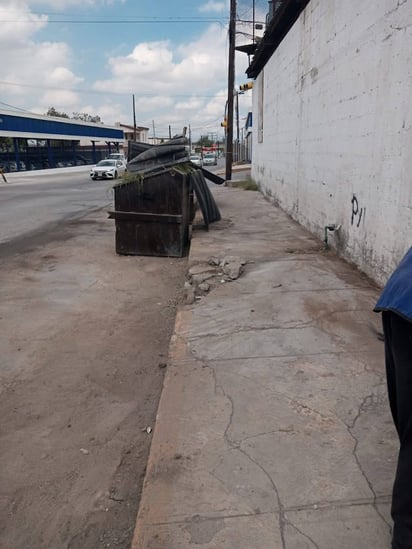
x=33 y=203
x=30 y=201
x=84 y=335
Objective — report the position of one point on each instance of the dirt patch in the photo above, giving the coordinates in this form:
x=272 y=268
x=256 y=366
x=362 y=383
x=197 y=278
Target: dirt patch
x=84 y=335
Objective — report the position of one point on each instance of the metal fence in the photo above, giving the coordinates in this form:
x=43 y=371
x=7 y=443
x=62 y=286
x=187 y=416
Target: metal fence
x=24 y=155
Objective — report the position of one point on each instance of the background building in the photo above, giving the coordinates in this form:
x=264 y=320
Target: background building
x=31 y=142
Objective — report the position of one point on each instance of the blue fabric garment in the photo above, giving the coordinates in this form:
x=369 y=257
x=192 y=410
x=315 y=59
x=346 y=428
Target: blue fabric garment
x=397 y=294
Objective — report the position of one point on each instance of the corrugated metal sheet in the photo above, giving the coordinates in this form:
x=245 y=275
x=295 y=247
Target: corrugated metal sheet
x=16 y=125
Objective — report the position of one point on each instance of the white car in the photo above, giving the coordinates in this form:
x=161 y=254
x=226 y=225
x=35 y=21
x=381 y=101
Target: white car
x=196 y=159
x=108 y=169
x=209 y=159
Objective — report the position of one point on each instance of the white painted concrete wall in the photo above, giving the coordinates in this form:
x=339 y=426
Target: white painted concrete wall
x=337 y=127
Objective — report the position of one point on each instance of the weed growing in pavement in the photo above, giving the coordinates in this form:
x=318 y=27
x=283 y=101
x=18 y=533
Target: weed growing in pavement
x=245 y=184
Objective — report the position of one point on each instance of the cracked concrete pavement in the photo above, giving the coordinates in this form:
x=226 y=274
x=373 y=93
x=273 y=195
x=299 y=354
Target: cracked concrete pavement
x=273 y=429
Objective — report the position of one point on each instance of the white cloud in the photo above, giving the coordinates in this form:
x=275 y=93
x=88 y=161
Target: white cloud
x=60 y=97
x=33 y=69
x=213 y=6
x=63 y=4
x=18 y=24
x=191 y=104
x=154 y=67
x=109 y=111
x=145 y=61
x=175 y=84
x=40 y=64
x=62 y=76
x=153 y=104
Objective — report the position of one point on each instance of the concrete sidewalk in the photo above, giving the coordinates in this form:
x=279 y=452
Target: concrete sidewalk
x=273 y=429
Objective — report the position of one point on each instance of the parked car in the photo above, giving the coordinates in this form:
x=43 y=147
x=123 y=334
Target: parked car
x=117 y=156
x=13 y=166
x=209 y=159
x=108 y=169
x=196 y=159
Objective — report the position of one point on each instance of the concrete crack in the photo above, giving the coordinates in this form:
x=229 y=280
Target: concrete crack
x=271 y=326
x=236 y=446
x=291 y=355
x=282 y=520
x=299 y=406
x=207 y=519
x=369 y=401
x=263 y=434
x=217 y=387
x=306 y=536
x=338 y=504
x=118 y=500
x=231 y=443
x=395 y=9
x=362 y=407
x=248 y=329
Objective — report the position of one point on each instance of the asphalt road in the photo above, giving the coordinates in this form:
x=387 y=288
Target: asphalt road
x=33 y=203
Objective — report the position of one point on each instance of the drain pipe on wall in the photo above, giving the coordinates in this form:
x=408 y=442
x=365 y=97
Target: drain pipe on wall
x=332 y=228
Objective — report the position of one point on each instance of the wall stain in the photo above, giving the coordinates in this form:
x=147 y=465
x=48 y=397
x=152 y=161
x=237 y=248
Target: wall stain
x=314 y=74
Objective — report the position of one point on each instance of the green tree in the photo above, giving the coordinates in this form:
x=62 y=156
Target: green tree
x=52 y=112
x=87 y=117
x=204 y=141
x=75 y=116
x=6 y=143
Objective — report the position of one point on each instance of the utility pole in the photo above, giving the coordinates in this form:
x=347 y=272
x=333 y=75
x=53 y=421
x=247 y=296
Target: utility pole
x=134 y=120
x=230 y=90
x=237 y=126
x=154 y=132
x=253 y=18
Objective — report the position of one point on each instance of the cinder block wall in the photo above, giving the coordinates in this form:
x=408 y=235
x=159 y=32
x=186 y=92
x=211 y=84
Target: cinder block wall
x=336 y=142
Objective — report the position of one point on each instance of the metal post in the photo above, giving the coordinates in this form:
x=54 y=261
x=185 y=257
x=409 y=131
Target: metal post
x=94 y=152
x=17 y=153
x=50 y=155
x=230 y=88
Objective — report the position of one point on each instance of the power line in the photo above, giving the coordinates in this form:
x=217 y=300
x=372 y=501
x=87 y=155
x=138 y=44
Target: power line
x=13 y=107
x=101 y=92
x=170 y=20
x=128 y=16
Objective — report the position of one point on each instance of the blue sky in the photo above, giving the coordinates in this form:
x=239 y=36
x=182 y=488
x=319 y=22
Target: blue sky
x=84 y=56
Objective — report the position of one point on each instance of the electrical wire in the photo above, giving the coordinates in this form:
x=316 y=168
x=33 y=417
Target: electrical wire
x=105 y=92
x=14 y=107
x=118 y=21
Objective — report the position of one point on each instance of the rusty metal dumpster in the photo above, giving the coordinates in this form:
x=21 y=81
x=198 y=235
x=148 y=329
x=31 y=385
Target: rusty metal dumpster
x=153 y=212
